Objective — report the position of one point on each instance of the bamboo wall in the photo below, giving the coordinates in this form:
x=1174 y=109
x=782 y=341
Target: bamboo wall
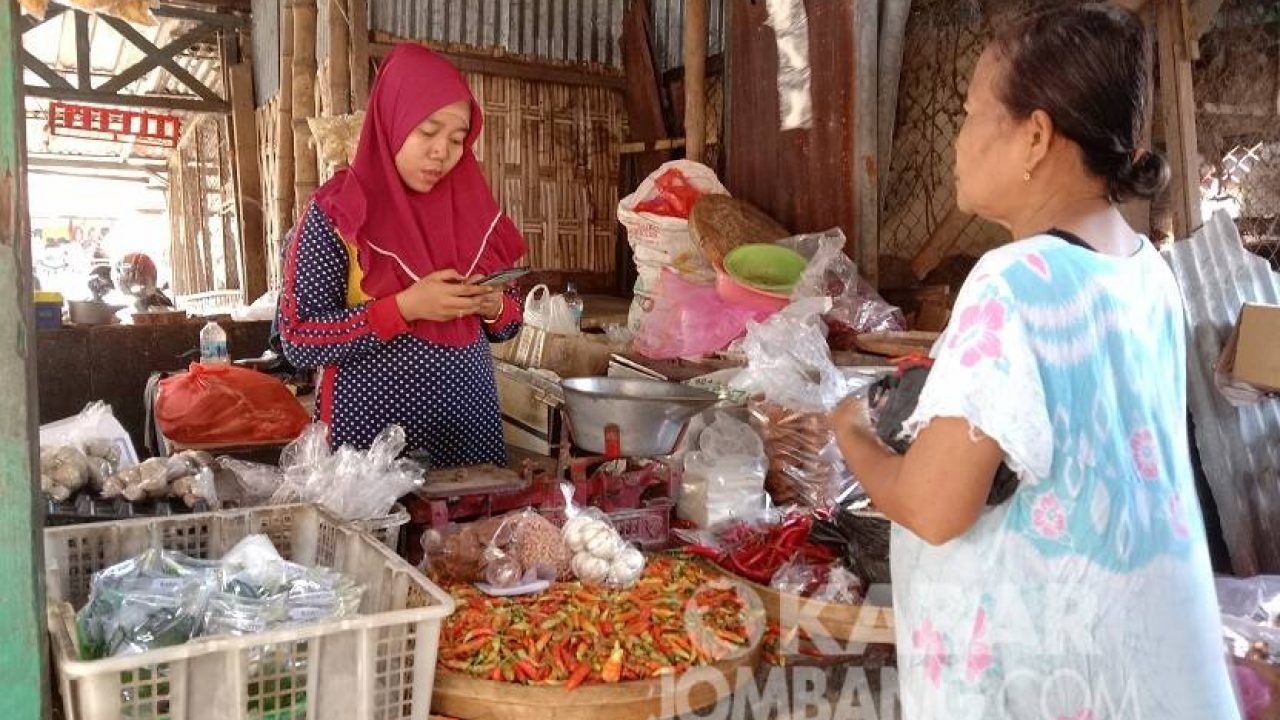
x=202 y=210
x=268 y=157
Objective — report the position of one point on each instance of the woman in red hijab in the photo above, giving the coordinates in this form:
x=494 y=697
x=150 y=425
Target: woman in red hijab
x=380 y=288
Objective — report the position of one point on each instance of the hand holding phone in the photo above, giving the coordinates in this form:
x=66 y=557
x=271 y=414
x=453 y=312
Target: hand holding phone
x=504 y=277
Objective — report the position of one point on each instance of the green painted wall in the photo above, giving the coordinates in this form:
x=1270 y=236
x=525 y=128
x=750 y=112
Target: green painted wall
x=23 y=647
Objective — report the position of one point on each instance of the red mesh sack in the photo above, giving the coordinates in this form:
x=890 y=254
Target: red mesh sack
x=227 y=405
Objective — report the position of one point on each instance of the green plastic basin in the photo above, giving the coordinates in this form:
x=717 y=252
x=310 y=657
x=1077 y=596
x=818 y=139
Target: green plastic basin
x=771 y=268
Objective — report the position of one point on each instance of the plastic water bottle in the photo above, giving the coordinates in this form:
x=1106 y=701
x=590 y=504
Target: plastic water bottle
x=213 y=344
x=574 y=301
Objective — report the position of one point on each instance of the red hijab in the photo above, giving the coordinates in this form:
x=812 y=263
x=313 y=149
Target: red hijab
x=401 y=235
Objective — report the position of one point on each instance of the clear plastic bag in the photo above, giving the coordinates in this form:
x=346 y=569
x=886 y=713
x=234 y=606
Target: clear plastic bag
x=827 y=583
x=352 y=484
x=1251 y=615
x=856 y=307
x=794 y=386
x=257 y=482
x=83 y=450
x=600 y=554
x=154 y=600
x=523 y=549
x=790 y=25
x=549 y=312
x=724 y=479
x=690 y=321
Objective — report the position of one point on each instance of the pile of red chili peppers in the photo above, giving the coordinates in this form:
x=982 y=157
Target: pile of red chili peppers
x=572 y=635
x=758 y=553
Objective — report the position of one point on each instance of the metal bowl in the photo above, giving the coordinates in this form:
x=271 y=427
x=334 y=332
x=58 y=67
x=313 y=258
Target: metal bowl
x=631 y=418
x=88 y=312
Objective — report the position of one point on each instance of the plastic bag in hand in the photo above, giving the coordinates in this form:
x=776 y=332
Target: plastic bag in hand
x=788 y=360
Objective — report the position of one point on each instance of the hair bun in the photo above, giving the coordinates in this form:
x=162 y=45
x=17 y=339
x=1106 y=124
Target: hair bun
x=1143 y=179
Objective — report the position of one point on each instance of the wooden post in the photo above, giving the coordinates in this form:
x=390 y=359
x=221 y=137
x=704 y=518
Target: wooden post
x=339 y=61
x=893 y=37
x=1177 y=100
x=284 y=118
x=305 y=172
x=695 y=79
x=358 y=41
x=866 y=170
x=24 y=683
x=248 y=178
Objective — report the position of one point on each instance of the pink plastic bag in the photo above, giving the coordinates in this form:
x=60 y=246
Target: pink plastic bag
x=690 y=321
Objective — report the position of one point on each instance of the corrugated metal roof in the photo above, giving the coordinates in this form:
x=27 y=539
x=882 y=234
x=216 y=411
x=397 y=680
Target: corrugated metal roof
x=1239 y=447
x=563 y=30
x=668 y=31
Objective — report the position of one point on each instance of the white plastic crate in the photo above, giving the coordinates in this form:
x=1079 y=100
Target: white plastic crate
x=387 y=529
x=379 y=665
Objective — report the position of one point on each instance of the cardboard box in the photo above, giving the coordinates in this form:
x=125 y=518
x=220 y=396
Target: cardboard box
x=1257 y=357
x=530 y=406
x=584 y=355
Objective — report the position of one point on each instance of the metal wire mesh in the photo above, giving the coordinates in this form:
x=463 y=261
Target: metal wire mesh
x=1237 y=89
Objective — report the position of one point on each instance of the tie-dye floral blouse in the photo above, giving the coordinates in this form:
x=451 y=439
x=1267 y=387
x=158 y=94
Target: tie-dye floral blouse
x=1088 y=595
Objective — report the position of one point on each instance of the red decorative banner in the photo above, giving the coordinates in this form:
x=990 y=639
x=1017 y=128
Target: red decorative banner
x=84 y=121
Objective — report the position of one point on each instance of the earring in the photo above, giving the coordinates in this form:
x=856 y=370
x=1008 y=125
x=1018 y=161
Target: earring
x=1026 y=176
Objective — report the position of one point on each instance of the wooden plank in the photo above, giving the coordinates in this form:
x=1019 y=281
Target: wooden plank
x=285 y=201
x=940 y=243
x=521 y=68
x=83 y=58
x=306 y=170
x=866 y=139
x=1177 y=99
x=223 y=20
x=359 y=53
x=154 y=57
x=893 y=36
x=338 y=62
x=24 y=663
x=248 y=180
x=695 y=79
x=156 y=102
x=42 y=71
x=643 y=92
x=27 y=23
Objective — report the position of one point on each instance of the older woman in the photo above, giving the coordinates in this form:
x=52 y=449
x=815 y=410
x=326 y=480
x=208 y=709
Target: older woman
x=1088 y=595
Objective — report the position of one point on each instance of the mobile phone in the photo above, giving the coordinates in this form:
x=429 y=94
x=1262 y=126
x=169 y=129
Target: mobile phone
x=504 y=277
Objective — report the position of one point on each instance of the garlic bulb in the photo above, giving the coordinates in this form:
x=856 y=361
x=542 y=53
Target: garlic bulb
x=573 y=532
x=589 y=568
x=604 y=545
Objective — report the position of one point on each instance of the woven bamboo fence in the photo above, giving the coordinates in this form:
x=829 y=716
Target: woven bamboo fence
x=203 y=228
x=268 y=157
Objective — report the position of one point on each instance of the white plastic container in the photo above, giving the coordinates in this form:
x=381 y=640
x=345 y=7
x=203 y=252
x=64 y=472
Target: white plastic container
x=379 y=665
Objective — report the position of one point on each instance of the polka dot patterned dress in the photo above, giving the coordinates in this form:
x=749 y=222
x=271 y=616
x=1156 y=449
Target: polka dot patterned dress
x=374 y=372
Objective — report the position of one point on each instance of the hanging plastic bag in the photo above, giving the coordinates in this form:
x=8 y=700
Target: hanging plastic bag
x=600 y=555
x=227 y=405
x=724 y=479
x=856 y=307
x=690 y=321
x=549 y=312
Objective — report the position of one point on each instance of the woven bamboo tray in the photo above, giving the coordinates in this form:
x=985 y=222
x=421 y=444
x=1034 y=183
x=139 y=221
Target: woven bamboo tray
x=720 y=223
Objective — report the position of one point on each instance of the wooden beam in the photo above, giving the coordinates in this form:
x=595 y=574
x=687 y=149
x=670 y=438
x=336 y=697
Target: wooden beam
x=156 y=102
x=695 y=79
x=893 y=37
x=1177 y=99
x=248 y=180
x=222 y=20
x=42 y=71
x=95 y=162
x=339 y=59
x=358 y=51
x=940 y=243
x=513 y=67
x=866 y=140
x=305 y=171
x=24 y=682
x=27 y=23
x=160 y=57
x=285 y=204
x=83 y=57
